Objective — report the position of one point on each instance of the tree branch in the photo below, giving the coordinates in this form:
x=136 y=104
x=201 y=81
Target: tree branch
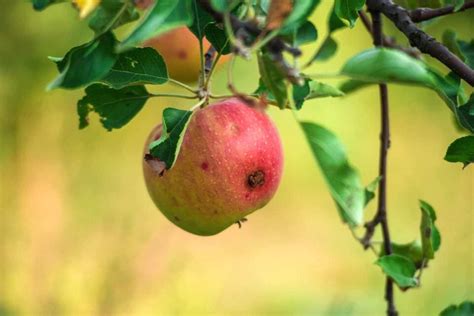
x=424 y=14
x=246 y=31
x=424 y=42
x=381 y=215
x=389 y=41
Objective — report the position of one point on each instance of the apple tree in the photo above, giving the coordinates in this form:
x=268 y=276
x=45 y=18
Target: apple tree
x=114 y=72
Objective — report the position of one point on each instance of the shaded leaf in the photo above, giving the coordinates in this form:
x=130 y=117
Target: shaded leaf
x=348 y=9
x=137 y=67
x=461 y=150
x=343 y=180
x=400 y=269
x=334 y=22
x=218 y=38
x=466 y=308
x=273 y=79
x=110 y=10
x=326 y=51
x=167 y=147
x=115 y=107
x=306 y=33
x=430 y=236
x=39 y=5
x=86 y=63
x=201 y=20
x=164 y=16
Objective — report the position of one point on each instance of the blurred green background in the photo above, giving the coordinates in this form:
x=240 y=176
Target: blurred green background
x=80 y=236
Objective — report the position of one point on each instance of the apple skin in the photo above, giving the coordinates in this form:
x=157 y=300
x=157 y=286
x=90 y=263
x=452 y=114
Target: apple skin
x=230 y=164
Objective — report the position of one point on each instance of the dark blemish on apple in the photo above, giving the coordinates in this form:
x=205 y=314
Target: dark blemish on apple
x=182 y=54
x=256 y=179
x=204 y=166
x=176 y=218
x=247 y=195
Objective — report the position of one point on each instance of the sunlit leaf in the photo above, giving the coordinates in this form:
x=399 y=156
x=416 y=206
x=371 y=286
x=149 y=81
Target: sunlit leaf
x=343 y=180
x=164 y=16
x=412 y=251
x=312 y=89
x=430 y=236
x=167 y=147
x=400 y=269
x=137 y=67
x=387 y=65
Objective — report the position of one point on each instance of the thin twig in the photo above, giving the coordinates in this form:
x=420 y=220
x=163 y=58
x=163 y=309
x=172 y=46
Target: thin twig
x=388 y=41
x=381 y=215
x=424 y=14
x=419 y=39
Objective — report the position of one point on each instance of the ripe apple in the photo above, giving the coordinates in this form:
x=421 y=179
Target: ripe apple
x=180 y=50
x=229 y=165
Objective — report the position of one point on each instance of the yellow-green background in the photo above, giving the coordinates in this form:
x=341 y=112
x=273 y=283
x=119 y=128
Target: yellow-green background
x=80 y=236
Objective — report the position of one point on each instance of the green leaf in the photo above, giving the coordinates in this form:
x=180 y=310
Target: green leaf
x=369 y=192
x=334 y=22
x=110 y=10
x=218 y=38
x=201 y=20
x=86 y=63
x=348 y=10
x=326 y=51
x=461 y=150
x=430 y=236
x=312 y=89
x=399 y=269
x=306 y=33
x=299 y=14
x=115 y=107
x=387 y=65
x=457 y=4
x=449 y=89
x=463 y=49
x=164 y=16
x=343 y=180
x=412 y=251
x=467 y=50
x=466 y=308
x=167 y=147
x=352 y=85
x=138 y=66
x=273 y=79
x=39 y=5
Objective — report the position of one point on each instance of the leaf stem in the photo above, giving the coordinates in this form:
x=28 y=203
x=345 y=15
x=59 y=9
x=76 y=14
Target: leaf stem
x=172 y=95
x=182 y=85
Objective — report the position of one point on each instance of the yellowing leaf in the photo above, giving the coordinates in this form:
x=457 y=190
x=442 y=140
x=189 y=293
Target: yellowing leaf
x=85 y=7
